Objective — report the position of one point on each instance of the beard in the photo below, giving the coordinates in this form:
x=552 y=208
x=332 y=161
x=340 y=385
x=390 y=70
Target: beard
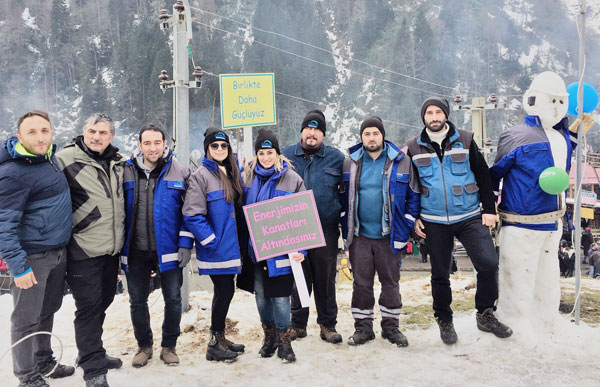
x=374 y=147
x=437 y=128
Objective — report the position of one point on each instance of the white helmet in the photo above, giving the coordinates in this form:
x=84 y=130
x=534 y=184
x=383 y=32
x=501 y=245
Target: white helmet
x=550 y=83
x=547 y=98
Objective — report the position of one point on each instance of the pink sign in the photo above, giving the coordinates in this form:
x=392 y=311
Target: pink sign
x=283 y=225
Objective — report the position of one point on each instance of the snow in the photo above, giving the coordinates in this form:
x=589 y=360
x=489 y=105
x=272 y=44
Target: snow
x=29 y=20
x=525 y=359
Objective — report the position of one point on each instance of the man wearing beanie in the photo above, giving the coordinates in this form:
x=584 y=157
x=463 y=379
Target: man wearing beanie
x=380 y=203
x=455 y=182
x=321 y=168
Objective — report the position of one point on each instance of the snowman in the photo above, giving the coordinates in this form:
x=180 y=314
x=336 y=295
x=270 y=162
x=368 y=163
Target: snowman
x=531 y=227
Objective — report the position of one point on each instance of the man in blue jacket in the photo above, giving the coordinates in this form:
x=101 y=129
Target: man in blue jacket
x=454 y=182
x=321 y=169
x=35 y=227
x=381 y=203
x=156 y=239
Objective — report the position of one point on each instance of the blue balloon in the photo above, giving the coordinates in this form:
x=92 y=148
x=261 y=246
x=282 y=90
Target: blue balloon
x=590 y=98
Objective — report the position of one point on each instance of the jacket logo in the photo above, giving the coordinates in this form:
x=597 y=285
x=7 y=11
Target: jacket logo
x=221 y=136
x=457 y=145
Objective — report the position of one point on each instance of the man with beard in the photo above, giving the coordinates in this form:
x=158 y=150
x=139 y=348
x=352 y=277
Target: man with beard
x=381 y=203
x=454 y=181
x=321 y=168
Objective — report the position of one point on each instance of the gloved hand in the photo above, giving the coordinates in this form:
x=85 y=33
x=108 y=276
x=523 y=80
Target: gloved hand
x=184 y=255
x=588 y=122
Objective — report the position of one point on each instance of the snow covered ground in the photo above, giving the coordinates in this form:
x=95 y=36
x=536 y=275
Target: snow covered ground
x=570 y=357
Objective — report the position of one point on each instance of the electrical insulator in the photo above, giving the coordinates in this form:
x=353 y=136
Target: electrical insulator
x=179 y=6
x=163 y=76
x=493 y=98
x=197 y=73
x=457 y=98
x=163 y=15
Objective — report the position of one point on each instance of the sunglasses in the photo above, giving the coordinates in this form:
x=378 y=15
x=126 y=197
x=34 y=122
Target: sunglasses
x=215 y=146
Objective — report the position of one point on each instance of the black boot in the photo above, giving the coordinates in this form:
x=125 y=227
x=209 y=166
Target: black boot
x=217 y=348
x=270 y=341
x=238 y=348
x=285 y=351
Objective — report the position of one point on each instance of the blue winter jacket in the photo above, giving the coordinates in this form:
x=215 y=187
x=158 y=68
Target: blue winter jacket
x=288 y=182
x=400 y=196
x=523 y=153
x=169 y=229
x=35 y=205
x=212 y=221
x=323 y=174
x=449 y=189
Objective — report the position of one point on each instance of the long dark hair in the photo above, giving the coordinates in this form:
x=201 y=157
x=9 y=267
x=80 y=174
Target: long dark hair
x=231 y=183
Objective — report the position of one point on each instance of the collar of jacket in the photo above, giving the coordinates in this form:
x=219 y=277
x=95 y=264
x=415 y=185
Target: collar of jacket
x=139 y=158
x=110 y=153
x=533 y=120
x=300 y=150
x=357 y=151
x=425 y=141
x=211 y=165
x=17 y=151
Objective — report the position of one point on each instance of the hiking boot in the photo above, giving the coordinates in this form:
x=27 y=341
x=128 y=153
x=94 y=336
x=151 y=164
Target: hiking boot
x=218 y=349
x=114 y=363
x=169 y=356
x=330 y=335
x=297 y=333
x=394 y=336
x=447 y=332
x=270 y=341
x=47 y=369
x=141 y=357
x=237 y=348
x=487 y=322
x=97 y=381
x=35 y=381
x=360 y=337
x=285 y=351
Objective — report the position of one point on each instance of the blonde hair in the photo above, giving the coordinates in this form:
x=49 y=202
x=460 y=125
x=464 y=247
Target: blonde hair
x=248 y=174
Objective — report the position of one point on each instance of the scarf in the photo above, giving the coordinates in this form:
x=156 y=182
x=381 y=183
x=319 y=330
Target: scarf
x=263 y=185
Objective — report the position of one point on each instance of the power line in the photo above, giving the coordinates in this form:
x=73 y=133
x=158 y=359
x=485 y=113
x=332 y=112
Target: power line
x=321 y=63
x=317 y=103
x=320 y=48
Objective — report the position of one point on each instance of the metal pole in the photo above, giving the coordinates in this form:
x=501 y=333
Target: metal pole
x=577 y=208
x=181 y=111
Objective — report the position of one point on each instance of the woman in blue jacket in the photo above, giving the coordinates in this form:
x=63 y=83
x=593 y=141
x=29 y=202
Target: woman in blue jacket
x=213 y=213
x=267 y=176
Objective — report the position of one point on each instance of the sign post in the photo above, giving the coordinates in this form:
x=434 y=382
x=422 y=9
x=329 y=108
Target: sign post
x=283 y=226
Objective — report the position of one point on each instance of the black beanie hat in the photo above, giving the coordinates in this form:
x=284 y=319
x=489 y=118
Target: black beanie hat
x=372 y=122
x=442 y=103
x=266 y=140
x=213 y=134
x=314 y=119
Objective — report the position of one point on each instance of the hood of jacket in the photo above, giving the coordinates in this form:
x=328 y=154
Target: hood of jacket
x=357 y=151
x=12 y=149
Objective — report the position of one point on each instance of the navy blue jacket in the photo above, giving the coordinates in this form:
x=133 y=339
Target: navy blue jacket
x=35 y=205
x=400 y=196
x=212 y=221
x=523 y=153
x=169 y=228
x=323 y=174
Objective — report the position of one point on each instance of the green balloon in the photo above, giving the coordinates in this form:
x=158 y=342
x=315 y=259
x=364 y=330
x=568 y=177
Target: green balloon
x=554 y=180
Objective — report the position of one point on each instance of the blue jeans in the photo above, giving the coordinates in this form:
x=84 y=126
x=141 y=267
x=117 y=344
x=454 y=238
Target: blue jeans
x=140 y=265
x=272 y=311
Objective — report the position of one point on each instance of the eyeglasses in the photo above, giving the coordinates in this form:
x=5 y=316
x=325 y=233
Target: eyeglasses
x=215 y=146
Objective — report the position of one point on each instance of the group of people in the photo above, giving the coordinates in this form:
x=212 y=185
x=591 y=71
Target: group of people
x=77 y=213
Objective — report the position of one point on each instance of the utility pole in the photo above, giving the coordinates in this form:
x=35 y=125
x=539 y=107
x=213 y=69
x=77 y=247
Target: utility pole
x=577 y=205
x=181 y=24
x=478 y=107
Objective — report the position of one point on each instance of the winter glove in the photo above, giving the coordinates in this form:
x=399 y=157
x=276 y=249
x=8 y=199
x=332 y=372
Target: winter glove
x=184 y=255
x=588 y=122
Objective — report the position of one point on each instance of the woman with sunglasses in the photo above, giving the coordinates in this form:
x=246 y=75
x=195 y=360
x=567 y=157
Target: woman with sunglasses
x=213 y=213
x=267 y=176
